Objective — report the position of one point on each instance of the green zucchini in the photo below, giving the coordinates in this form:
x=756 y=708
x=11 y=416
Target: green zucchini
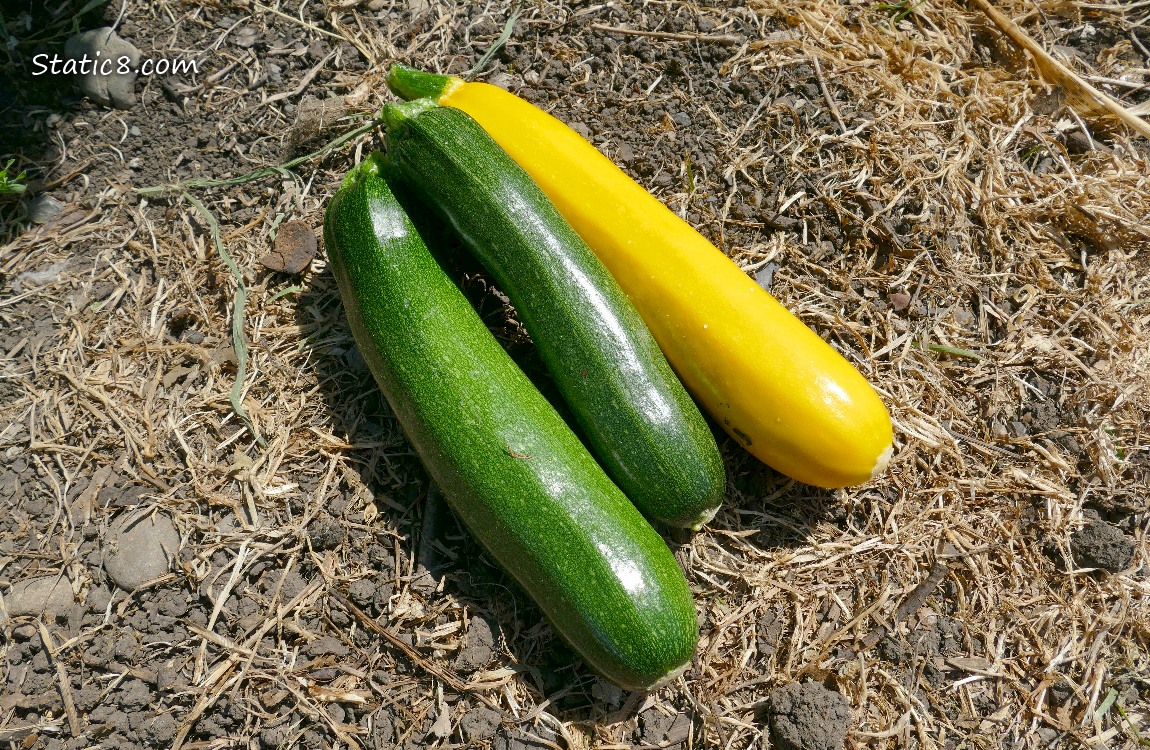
x=637 y=418
x=512 y=470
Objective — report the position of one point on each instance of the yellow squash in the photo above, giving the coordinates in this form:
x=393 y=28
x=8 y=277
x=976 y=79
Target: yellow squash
x=771 y=382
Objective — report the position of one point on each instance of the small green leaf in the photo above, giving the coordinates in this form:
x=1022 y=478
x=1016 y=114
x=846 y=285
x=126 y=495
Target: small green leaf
x=11 y=185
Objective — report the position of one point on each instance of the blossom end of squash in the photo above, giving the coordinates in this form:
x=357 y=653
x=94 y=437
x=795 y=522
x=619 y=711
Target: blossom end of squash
x=882 y=461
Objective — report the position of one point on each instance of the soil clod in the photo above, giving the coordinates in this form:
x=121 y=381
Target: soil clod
x=1100 y=545
x=479 y=724
x=478 y=646
x=295 y=247
x=807 y=716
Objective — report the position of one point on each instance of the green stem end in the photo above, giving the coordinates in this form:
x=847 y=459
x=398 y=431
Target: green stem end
x=409 y=83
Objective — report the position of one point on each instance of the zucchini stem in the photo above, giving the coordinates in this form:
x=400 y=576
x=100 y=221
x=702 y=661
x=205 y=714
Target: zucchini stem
x=412 y=83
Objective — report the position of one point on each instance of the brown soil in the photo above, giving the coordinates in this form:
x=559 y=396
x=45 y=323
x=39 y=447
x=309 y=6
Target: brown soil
x=896 y=174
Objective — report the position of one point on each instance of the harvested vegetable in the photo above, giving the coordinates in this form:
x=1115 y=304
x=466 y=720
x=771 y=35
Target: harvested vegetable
x=639 y=422
x=776 y=387
x=508 y=465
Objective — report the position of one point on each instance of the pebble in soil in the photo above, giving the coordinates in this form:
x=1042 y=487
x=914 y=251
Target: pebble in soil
x=116 y=87
x=807 y=716
x=43 y=208
x=43 y=595
x=139 y=547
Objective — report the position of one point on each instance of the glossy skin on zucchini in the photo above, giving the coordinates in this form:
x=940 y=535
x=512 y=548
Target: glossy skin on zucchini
x=772 y=383
x=511 y=469
x=638 y=419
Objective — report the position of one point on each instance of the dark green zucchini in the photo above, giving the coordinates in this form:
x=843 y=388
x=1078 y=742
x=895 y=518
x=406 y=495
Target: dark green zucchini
x=636 y=416
x=511 y=469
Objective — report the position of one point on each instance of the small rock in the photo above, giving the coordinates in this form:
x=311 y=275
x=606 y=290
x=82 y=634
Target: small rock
x=502 y=80
x=807 y=717
x=417 y=8
x=294 y=248
x=680 y=729
x=140 y=547
x=246 y=36
x=1100 y=545
x=327 y=645
x=43 y=208
x=441 y=727
x=899 y=301
x=38 y=596
x=479 y=724
x=765 y=276
x=110 y=63
x=24 y=632
x=607 y=692
x=682 y=119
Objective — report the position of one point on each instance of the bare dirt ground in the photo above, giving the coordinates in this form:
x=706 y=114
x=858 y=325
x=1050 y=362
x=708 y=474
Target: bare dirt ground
x=895 y=173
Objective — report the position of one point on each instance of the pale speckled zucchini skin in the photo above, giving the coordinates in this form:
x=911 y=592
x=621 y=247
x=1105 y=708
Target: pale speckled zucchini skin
x=639 y=421
x=511 y=469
